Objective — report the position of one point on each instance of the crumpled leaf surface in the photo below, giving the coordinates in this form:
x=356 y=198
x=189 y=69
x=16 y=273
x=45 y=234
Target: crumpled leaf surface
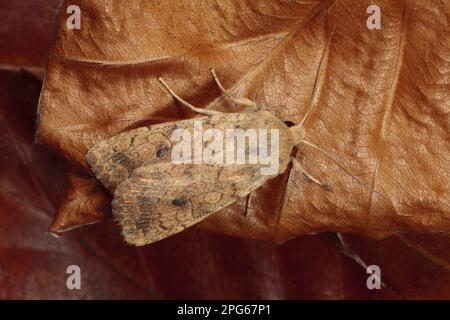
x=414 y=266
x=190 y=265
x=24 y=36
x=379 y=102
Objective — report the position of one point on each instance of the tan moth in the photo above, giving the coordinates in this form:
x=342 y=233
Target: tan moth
x=154 y=197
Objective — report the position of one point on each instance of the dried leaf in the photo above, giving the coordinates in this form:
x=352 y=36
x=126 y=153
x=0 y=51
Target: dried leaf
x=415 y=266
x=25 y=36
x=84 y=195
x=378 y=100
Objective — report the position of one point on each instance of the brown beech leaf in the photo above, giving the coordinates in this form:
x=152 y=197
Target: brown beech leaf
x=378 y=100
x=416 y=266
x=191 y=265
x=26 y=32
x=33 y=262
x=84 y=195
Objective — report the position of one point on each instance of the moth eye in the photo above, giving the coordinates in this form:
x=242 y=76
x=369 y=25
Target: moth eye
x=289 y=123
x=179 y=202
x=162 y=152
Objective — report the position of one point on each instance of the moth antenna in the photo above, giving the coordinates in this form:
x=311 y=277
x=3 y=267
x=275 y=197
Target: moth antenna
x=241 y=101
x=187 y=104
x=343 y=168
x=319 y=78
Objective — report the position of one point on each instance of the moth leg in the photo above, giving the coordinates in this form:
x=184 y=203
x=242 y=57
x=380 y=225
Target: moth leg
x=187 y=104
x=298 y=166
x=240 y=100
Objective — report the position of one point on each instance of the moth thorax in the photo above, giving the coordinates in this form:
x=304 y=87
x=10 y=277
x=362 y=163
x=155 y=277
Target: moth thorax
x=298 y=133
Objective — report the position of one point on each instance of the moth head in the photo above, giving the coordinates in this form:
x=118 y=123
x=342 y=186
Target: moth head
x=298 y=133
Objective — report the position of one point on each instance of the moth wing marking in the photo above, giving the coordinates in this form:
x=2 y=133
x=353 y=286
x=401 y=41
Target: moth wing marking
x=160 y=200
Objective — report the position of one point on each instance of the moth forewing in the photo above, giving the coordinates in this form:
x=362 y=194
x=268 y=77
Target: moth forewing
x=114 y=159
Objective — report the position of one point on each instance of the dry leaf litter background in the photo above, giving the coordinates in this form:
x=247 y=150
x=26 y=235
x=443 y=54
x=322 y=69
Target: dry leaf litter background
x=378 y=105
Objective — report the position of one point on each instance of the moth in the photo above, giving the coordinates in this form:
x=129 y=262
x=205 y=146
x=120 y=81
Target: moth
x=155 y=197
